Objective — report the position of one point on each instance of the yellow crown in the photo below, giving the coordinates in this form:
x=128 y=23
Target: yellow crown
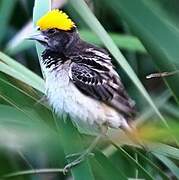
x=55 y=19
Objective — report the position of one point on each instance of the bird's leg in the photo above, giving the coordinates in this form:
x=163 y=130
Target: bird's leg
x=86 y=153
x=83 y=155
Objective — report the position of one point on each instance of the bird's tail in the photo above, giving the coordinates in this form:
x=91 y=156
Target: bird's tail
x=131 y=132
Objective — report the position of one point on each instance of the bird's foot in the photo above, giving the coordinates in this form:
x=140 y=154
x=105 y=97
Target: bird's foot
x=77 y=161
x=80 y=158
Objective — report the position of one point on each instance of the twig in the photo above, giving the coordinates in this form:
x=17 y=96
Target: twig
x=34 y=171
x=163 y=74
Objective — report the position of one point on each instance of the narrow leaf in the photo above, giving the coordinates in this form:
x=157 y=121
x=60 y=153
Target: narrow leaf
x=168 y=163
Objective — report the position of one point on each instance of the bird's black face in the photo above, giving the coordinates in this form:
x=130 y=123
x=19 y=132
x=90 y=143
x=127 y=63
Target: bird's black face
x=56 y=40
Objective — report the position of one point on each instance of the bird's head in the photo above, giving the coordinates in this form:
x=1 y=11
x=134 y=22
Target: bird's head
x=56 y=31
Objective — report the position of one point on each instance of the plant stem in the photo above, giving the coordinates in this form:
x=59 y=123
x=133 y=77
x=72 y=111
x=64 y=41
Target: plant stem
x=33 y=171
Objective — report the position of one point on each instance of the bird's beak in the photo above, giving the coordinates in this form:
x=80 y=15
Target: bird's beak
x=38 y=36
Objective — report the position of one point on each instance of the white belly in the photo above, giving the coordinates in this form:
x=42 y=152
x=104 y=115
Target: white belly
x=87 y=113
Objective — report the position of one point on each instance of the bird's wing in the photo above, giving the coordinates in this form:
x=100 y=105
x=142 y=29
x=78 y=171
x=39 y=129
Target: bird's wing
x=93 y=75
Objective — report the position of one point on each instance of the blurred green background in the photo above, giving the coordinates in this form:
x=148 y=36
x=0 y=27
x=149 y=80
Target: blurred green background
x=142 y=36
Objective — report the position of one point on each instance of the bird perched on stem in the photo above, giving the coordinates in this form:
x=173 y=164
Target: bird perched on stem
x=80 y=80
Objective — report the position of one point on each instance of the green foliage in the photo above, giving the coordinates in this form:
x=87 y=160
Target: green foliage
x=6 y=9
x=34 y=142
x=160 y=42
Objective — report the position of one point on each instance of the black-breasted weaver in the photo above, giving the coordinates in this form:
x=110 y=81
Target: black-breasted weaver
x=81 y=80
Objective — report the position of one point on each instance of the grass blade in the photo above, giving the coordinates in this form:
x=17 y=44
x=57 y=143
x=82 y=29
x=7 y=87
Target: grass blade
x=6 y=7
x=101 y=163
x=157 y=33
x=155 y=167
x=18 y=75
x=168 y=163
x=165 y=150
x=126 y=42
x=16 y=70
x=134 y=162
x=39 y=10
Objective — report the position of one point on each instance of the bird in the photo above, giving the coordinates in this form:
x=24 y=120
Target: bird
x=81 y=80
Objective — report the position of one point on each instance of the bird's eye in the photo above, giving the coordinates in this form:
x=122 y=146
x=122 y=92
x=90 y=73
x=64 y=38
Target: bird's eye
x=51 y=31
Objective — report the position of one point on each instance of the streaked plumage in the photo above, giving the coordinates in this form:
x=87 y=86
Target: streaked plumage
x=81 y=81
x=80 y=78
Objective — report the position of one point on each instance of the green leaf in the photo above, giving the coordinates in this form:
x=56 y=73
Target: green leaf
x=155 y=167
x=21 y=71
x=15 y=74
x=6 y=86
x=157 y=32
x=6 y=9
x=126 y=42
x=165 y=150
x=168 y=163
x=21 y=127
x=146 y=174
x=39 y=10
x=105 y=167
x=18 y=71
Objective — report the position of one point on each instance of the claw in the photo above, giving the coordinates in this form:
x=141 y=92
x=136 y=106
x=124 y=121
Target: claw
x=65 y=170
x=72 y=164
